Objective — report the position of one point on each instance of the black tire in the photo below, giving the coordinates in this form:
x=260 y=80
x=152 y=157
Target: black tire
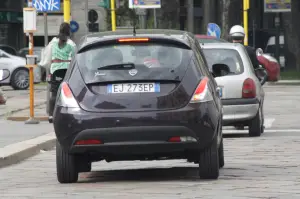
x=209 y=161
x=20 y=79
x=67 y=171
x=221 y=155
x=255 y=125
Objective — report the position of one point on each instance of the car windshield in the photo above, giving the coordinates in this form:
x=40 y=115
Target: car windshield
x=150 y=61
x=25 y=52
x=271 y=49
x=229 y=57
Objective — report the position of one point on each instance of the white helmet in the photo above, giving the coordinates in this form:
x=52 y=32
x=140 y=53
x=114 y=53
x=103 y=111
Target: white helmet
x=237 y=31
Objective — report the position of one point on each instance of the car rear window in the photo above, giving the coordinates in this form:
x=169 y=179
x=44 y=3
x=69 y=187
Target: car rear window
x=229 y=57
x=150 y=62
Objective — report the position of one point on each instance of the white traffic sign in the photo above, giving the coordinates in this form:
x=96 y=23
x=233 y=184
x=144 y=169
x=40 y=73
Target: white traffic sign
x=47 y=5
x=29 y=20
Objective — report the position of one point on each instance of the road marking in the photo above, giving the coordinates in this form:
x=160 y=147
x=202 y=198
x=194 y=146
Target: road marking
x=269 y=122
x=266 y=130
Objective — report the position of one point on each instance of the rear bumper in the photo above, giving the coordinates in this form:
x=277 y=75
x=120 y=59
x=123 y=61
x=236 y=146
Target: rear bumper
x=238 y=110
x=136 y=132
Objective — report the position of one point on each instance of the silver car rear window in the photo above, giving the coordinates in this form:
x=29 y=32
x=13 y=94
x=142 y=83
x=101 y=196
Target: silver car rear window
x=230 y=57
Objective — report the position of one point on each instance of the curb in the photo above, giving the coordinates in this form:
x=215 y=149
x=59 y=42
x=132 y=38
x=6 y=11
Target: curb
x=21 y=109
x=287 y=83
x=25 y=118
x=15 y=153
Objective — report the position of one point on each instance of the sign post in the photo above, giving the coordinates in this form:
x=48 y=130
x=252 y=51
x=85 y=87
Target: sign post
x=46 y=6
x=29 y=25
x=246 y=7
x=146 y=4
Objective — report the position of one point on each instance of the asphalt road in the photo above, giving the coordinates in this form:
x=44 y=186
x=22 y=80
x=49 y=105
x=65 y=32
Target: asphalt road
x=264 y=167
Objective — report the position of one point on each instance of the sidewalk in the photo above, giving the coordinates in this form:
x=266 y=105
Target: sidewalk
x=284 y=82
x=18 y=103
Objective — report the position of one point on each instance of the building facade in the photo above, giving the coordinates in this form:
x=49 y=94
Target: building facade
x=11 y=23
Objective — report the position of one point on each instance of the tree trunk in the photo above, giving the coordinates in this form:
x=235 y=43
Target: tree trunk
x=168 y=15
x=231 y=14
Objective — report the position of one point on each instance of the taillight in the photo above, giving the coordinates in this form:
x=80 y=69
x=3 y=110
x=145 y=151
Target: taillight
x=66 y=97
x=202 y=93
x=249 y=89
x=133 y=40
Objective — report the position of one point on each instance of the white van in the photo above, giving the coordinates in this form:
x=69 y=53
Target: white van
x=271 y=49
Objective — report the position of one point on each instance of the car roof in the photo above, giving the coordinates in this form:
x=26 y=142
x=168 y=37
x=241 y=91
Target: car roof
x=151 y=33
x=205 y=37
x=228 y=45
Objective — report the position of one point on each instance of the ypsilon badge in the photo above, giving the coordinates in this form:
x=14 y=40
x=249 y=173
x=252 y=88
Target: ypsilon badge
x=133 y=72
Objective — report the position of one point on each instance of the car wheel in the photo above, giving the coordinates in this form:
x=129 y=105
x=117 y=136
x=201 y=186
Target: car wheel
x=20 y=79
x=209 y=161
x=263 y=120
x=256 y=125
x=221 y=155
x=66 y=166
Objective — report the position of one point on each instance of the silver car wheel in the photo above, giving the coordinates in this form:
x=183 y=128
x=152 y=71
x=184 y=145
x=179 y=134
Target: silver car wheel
x=21 y=79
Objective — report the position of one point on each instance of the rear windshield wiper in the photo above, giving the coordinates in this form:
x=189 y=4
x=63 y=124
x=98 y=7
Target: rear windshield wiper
x=121 y=66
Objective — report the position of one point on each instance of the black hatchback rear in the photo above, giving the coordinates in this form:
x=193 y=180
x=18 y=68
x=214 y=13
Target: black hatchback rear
x=143 y=97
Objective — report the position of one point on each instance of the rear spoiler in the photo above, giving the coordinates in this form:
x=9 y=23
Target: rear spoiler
x=124 y=40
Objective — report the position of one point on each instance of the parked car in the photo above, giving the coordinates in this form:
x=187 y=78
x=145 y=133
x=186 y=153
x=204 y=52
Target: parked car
x=138 y=97
x=271 y=49
x=8 y=49
x=37 y=51
x=266 y=60
x=19 y=75
x=241 y=88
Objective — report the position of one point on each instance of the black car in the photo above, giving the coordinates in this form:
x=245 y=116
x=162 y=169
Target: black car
x=148 y=96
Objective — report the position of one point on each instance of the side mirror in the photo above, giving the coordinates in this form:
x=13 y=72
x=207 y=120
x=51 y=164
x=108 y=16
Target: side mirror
x=220 y=70
x=4 y=74
x=262 y=75
x=259 y=52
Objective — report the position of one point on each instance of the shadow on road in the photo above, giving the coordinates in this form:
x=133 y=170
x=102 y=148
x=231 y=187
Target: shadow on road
x=145 y=175
x=235 y=135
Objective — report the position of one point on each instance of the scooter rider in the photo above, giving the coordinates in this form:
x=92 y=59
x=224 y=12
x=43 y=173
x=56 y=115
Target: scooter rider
x=237 y=35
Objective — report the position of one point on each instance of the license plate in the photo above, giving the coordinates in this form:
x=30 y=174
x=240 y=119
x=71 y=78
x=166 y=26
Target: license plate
x=134 y=88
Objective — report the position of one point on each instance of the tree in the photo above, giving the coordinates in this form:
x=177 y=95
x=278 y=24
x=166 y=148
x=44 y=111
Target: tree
x=292 y=35
x=231 y=14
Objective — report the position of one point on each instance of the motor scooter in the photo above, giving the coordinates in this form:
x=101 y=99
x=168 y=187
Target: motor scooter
x=54 y=80
x=4 y=74
x=271 y=65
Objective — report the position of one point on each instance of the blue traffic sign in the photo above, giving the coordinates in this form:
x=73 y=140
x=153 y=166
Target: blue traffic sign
x=213 y=30
x=74 y=26
x=47 y=5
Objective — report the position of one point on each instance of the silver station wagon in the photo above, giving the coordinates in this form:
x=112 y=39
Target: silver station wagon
x=240 y=86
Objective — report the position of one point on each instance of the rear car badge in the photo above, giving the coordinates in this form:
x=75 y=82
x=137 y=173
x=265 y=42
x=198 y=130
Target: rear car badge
x=133 y=72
